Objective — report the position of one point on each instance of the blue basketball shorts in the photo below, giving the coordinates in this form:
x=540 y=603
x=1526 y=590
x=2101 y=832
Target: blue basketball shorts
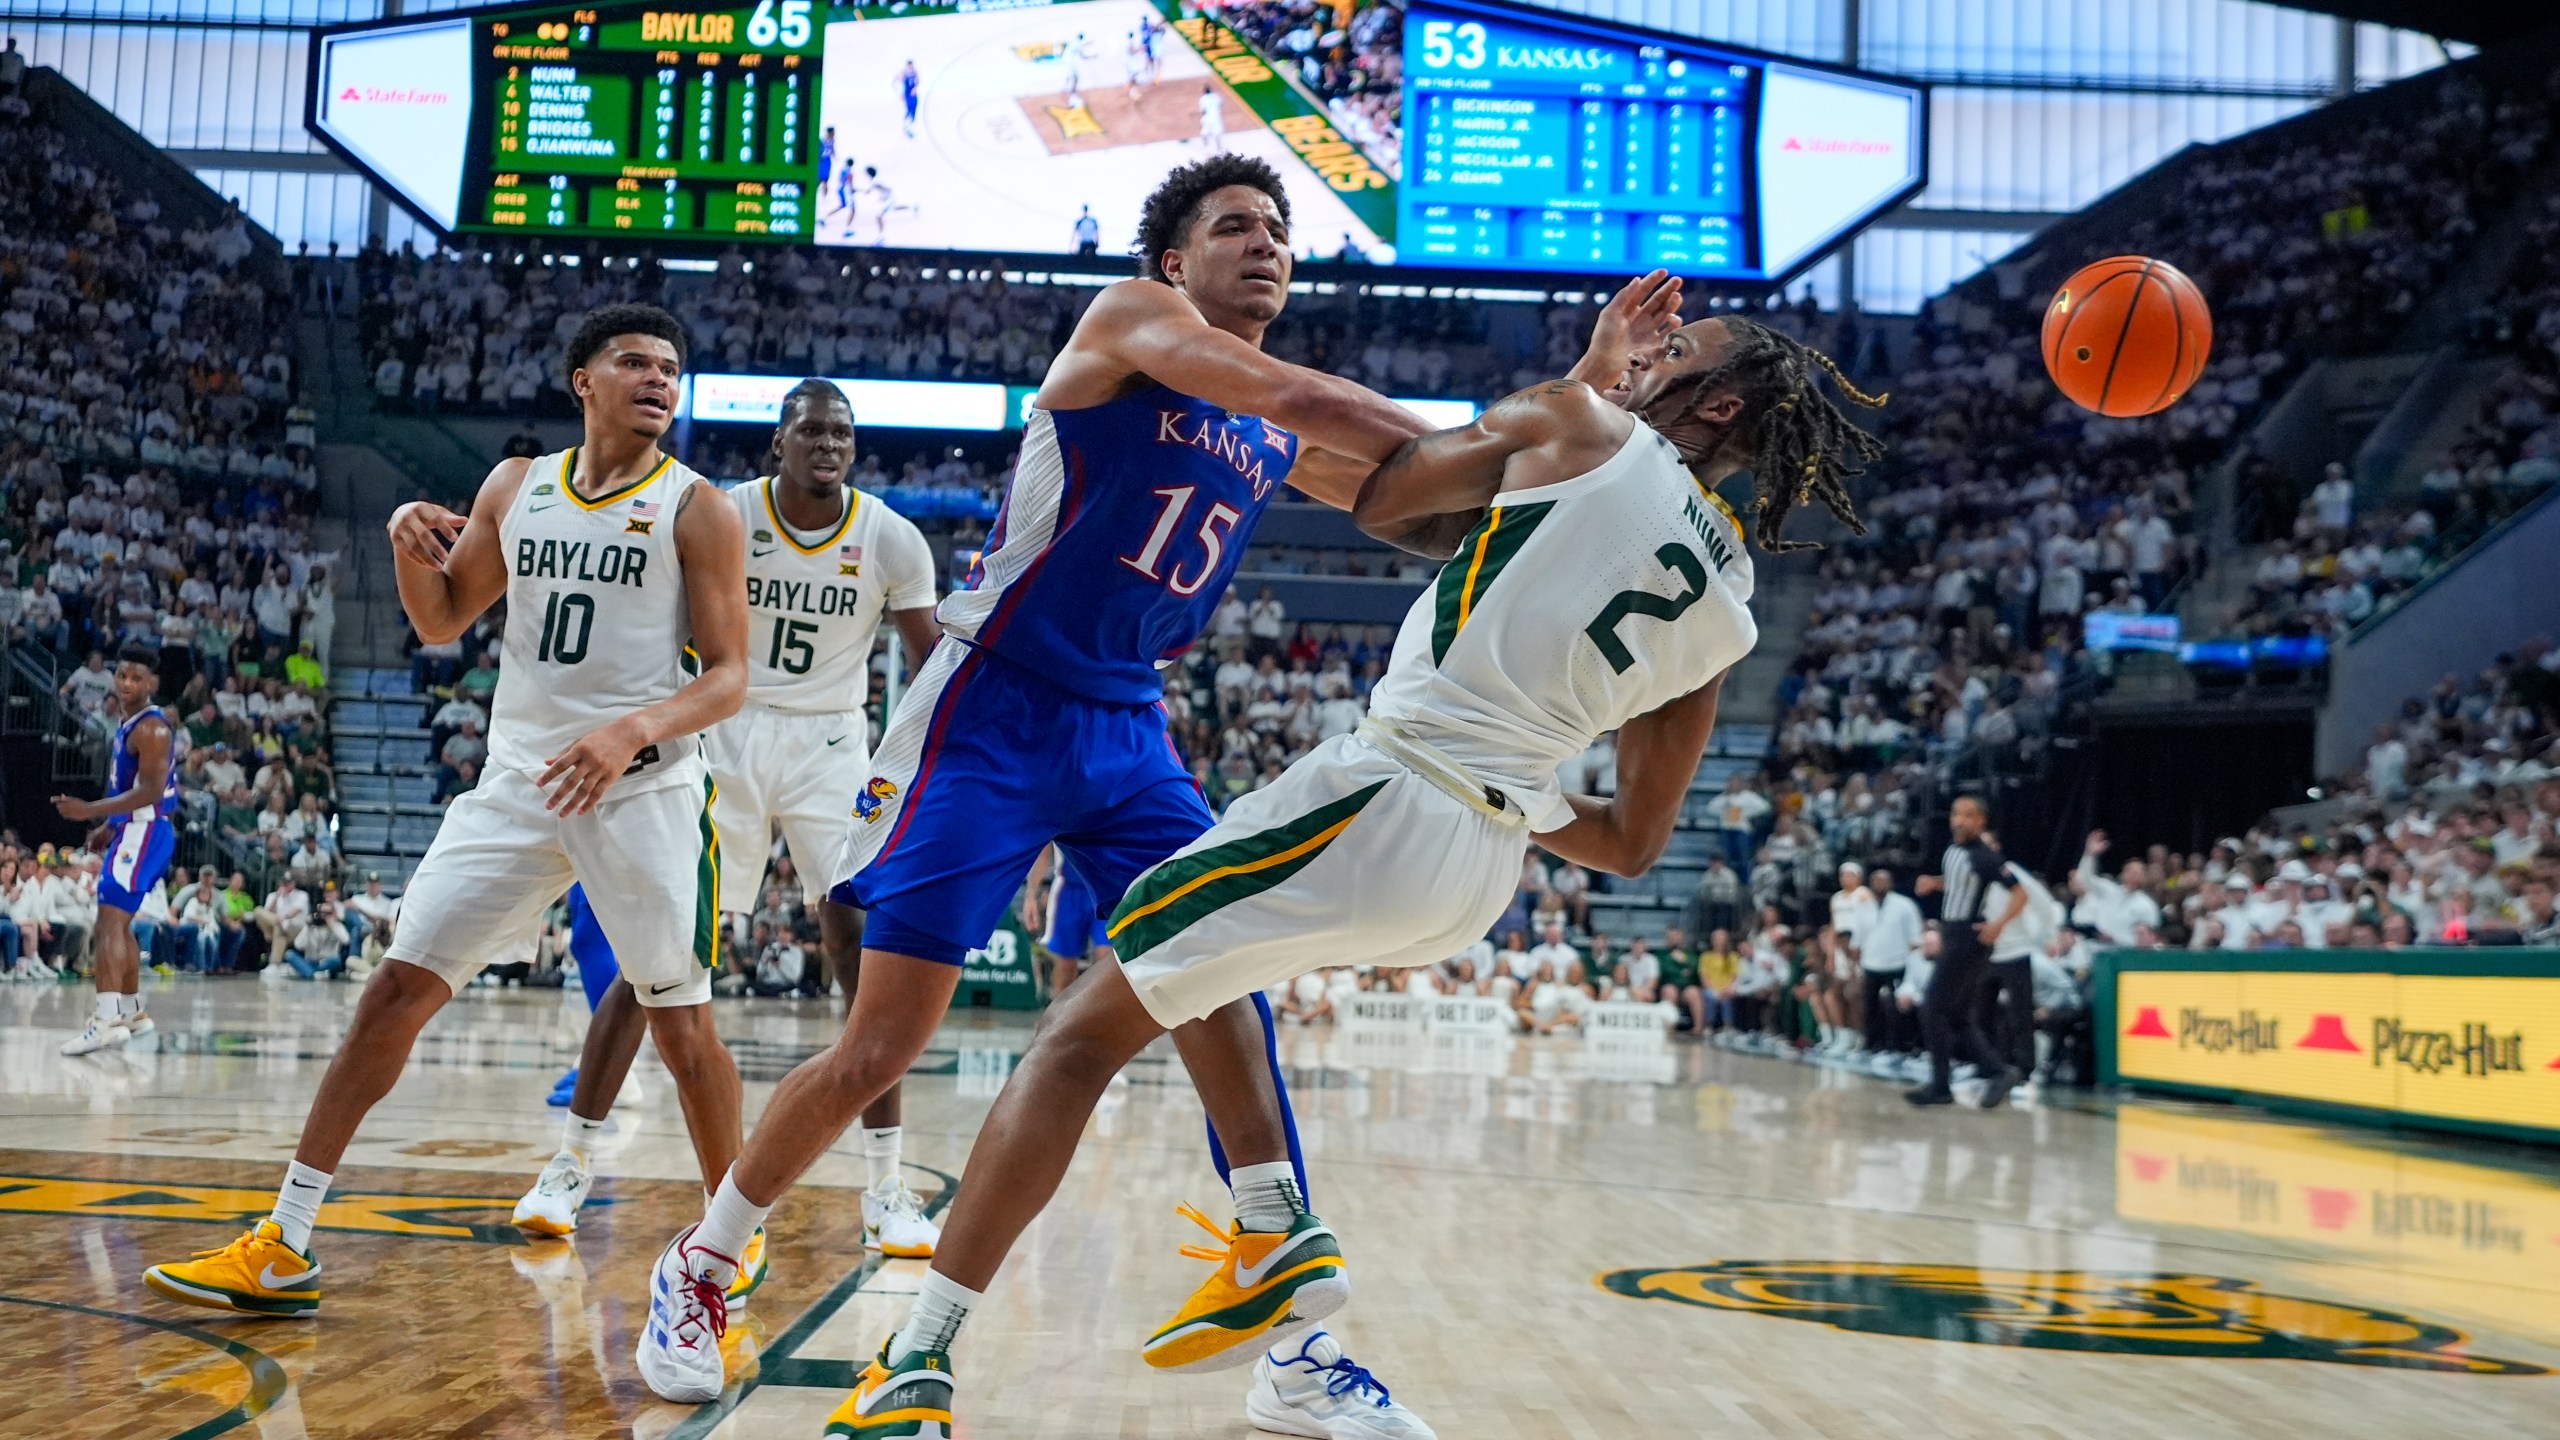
x=1077 y=927
x=137 y=856
x=985 y=764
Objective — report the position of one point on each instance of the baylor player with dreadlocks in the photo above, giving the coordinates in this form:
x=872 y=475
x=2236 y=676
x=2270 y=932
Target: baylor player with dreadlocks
x=1594 y=583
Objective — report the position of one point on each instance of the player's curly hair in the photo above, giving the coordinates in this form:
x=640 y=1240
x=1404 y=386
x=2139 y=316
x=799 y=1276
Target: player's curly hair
x=1800 y=445
x=1173 y=207
x=602 y=325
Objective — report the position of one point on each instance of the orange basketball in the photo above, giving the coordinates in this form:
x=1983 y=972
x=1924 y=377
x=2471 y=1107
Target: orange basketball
x=2127 y=336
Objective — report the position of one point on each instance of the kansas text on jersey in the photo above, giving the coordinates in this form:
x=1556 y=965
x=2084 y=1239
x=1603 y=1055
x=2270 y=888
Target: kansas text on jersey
x=1116 y=542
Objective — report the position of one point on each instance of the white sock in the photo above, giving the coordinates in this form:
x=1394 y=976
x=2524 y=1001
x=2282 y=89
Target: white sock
x=298 y=1203
x=110 y=1007
x=941 y=1305
x=578 y=1138
x=880 y=1148
x=1267 y=1196
x=130 y=1004
x=730 y=1220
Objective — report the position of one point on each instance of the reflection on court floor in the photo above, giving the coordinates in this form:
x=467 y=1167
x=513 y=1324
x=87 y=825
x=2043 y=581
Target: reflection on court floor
x=2089 y=1265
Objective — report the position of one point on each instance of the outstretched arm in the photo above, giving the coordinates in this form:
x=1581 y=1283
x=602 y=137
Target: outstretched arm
x=1436 y=487
x=1641 y=313
x=152 y=755
x=1145 y=327
x=1658 y=754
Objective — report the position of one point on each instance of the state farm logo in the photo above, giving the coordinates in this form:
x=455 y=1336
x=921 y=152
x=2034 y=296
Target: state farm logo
x=377 y=95
x=1837 y=145
x=2475 y=1050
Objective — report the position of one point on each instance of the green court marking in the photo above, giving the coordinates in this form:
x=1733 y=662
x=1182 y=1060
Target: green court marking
x=267 y=1380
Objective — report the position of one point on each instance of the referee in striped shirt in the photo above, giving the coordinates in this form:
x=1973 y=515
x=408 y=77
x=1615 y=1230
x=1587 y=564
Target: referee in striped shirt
x=1951 y=1010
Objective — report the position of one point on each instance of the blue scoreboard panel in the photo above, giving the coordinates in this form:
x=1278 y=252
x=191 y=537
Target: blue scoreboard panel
x=1538 y=141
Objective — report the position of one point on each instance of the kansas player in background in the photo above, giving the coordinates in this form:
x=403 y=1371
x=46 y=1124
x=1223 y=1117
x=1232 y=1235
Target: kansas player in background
x=1059 y=908
x=1132 y=504
x=137 y=842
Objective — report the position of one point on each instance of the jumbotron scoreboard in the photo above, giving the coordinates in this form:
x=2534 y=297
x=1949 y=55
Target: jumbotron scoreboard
x=1523 y=138
x=609 y=119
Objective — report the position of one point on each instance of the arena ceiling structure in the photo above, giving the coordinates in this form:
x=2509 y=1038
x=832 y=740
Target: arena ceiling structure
x=2036 y=107
x=2473 y=22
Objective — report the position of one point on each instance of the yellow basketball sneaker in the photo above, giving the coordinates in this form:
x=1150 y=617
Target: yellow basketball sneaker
x=257 y=1274
x=1267 y=1281
x=750 y=1271
x=910 y=1400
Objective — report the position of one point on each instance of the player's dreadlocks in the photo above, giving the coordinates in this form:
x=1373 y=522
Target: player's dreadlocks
x=1801 y=446
x=1168 y=214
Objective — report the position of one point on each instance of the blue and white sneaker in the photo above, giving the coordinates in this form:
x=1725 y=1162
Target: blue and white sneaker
x=1319 y=1392
x=679 y=1352
x=561 y=1089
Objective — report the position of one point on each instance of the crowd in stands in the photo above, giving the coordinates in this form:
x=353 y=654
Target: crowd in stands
x=156 y=482
x=2338 y=568
x=2005 y=515
x=1357 y=70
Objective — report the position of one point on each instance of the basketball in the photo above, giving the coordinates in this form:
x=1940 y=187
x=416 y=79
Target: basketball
x=2127 y=336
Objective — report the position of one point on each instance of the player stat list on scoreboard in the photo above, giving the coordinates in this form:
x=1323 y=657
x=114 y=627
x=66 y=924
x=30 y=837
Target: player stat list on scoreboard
x=1530 y=147
x=650 y=120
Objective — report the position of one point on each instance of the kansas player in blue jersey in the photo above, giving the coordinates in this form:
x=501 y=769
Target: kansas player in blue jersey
x=1058 y=907
x=1159 y=435
x=137 y=840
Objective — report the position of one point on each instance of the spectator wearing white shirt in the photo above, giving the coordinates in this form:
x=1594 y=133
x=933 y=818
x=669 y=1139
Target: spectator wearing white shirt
x=1890 y=942
x=1738 y=813
x=1554 y=952
x=200 y=925
x=281 y=917
x=2112 y=908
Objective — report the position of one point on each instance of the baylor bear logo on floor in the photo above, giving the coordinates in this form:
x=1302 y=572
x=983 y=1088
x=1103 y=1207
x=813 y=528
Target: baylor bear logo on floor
x=2130 y=1313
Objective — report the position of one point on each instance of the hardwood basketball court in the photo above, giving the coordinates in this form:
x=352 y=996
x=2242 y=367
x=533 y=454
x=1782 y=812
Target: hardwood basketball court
x=1547 y=1241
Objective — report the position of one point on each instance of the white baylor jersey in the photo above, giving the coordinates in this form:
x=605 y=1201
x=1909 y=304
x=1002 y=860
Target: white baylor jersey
x=596 y=617
x=1573 y=608
x=814 y=602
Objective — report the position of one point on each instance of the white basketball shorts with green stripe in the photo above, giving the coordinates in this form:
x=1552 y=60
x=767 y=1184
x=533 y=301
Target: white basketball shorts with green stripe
x=1349 y=858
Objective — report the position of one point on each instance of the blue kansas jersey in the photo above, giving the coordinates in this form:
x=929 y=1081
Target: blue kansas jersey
x=121 y=772
x=1123 y=525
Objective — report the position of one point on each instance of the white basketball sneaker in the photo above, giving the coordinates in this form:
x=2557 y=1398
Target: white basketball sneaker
x=139 y=1024
x=551 y=1206
x=101 y=1035
x=1319 y=1392
x=679 y=1354
x=893 y=1221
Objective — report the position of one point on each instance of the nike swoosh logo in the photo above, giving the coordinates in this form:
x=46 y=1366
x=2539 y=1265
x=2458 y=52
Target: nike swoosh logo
x=663 y=989
x=1249 y=1276
x=537 y=509
x=758 y=554
x=839 y=739
x=270 y=1280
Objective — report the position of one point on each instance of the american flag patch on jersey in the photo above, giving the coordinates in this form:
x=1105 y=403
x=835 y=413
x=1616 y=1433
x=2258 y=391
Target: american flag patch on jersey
x=644 y=509
x=848 y=559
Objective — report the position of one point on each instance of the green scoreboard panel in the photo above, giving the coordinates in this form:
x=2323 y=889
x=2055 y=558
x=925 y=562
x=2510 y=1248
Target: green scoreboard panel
x=616 y=119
